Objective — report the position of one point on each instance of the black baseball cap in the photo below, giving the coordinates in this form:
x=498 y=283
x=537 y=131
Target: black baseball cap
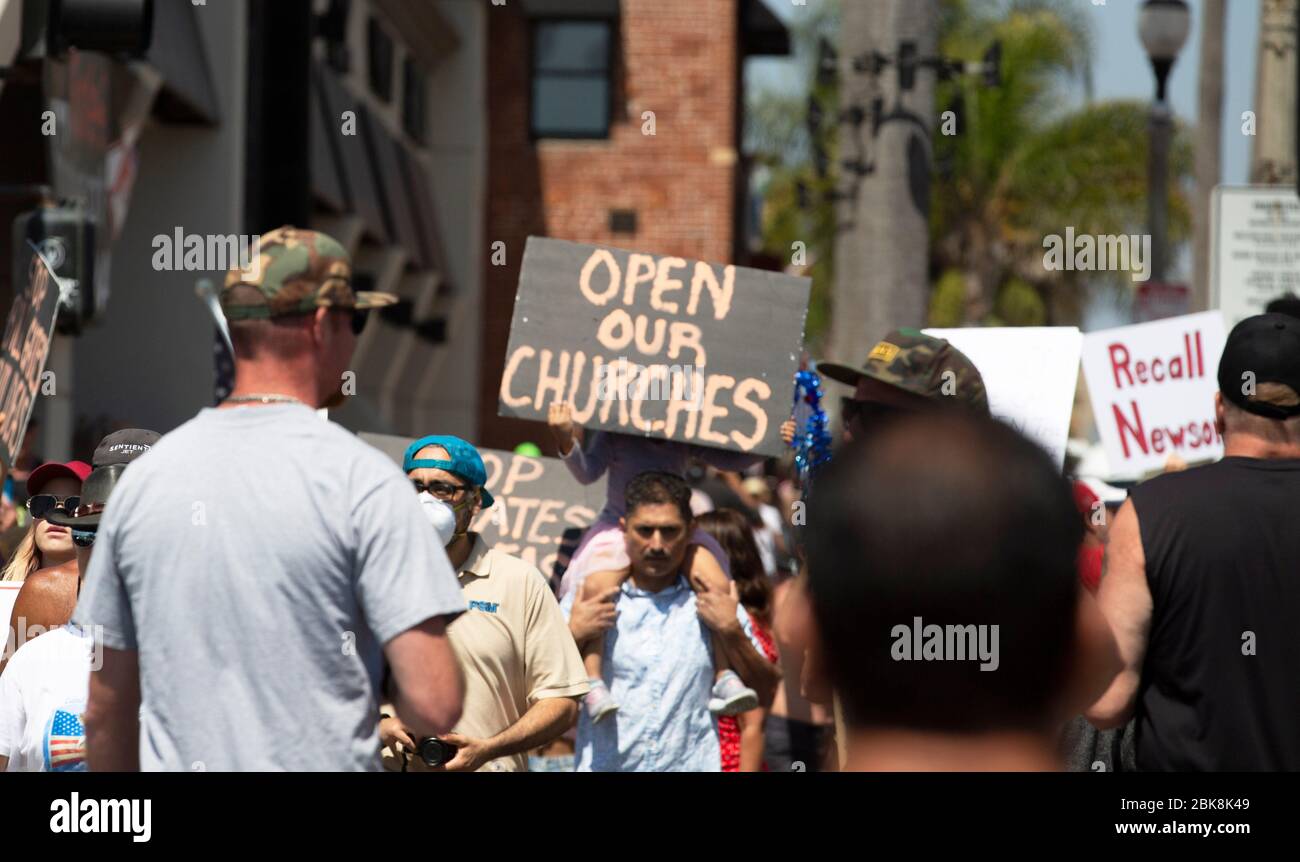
x=123 y=447
x=94 y=496
x=1261 y=350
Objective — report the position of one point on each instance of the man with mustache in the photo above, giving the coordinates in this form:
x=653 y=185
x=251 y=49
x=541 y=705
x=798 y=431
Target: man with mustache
x=657 y=658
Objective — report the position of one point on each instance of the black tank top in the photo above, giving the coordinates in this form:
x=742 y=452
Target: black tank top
x=1222 y=547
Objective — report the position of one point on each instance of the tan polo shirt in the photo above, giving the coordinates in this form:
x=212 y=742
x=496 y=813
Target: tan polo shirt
x=513 y=646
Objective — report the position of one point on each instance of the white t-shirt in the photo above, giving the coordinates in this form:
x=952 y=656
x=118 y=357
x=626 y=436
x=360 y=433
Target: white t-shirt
x=42 y=697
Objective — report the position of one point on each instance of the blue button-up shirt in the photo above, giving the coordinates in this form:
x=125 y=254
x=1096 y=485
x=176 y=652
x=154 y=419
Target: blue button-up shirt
x=658 y=665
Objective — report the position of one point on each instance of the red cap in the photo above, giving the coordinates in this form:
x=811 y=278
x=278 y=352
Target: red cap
x=1084 y=497
x=39 y=477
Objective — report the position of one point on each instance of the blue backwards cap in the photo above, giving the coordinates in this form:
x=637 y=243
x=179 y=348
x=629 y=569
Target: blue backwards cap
x=465 y=461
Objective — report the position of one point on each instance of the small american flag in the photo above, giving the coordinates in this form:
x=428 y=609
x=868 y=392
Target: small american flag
x=65 y=750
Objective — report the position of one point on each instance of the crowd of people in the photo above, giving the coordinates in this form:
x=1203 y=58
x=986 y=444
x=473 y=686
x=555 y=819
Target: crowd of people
x=950 y=600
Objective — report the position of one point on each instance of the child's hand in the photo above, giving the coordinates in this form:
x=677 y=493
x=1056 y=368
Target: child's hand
x=787 y=432
x=717 y=609
x=560 y=419
x=592 y=616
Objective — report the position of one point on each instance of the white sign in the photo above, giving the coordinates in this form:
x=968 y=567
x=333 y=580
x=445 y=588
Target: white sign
x=1255 y=248
x=1030 y=374
x=8 y=596
x=1152 y=388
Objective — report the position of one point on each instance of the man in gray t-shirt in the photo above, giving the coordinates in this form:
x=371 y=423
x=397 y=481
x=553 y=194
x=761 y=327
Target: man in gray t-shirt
x=253 y=571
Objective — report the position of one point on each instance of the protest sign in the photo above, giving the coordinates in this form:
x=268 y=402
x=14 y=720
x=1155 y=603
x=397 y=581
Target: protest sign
x=23 y=352
x=537 y=502
x=1152 y=389
x=1030 y=374
x=1255 y=248
x=655 y=345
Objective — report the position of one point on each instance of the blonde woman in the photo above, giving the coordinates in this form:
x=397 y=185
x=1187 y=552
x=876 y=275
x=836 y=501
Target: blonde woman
x=50 y=486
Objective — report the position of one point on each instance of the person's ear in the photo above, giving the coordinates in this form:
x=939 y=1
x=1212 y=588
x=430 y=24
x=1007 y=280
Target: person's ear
x=320 y=332
x=622 y=524
x=1220 y=426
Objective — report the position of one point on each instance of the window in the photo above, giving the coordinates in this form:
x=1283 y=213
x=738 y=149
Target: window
x=381 y=61
x=571 y=78
x=413 y=100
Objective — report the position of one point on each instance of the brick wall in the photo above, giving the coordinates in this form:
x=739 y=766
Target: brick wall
x=674 y=57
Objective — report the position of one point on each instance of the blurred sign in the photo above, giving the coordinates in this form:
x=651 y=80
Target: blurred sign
x=1254 y=249
x=1152 y=388
x=23 y=352
x=8 y=597
x=655 y=345
x=1030 y=374
x=1157 y=300
x=538 y=504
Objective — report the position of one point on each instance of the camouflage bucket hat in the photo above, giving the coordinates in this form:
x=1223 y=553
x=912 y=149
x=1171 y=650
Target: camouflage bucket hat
x=917 y=363
x=295 y=271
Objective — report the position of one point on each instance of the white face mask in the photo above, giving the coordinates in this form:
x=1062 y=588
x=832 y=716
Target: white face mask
x=440 y=515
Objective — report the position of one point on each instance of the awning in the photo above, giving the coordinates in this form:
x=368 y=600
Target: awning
x=187 y=94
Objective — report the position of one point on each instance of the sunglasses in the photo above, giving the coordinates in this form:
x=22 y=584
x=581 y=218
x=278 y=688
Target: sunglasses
x=359 y=318
x=83 y=538
x=445 y=491
x=869 y=413
x=42 y=504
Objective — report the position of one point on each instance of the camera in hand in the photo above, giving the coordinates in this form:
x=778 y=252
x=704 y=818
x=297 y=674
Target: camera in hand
x=434 y=752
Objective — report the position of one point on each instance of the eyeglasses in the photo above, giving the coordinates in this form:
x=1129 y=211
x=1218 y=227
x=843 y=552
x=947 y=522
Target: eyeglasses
x=445 y=491
x=42 y=504
x=357 y=317
x=83 y=538
x=869 y=413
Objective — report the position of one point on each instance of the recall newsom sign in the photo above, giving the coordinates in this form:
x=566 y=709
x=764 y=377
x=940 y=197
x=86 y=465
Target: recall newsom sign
x=655 y=345
x=537 y=506
x=1152 y=388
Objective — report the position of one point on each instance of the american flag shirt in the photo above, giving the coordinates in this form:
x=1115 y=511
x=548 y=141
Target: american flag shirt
x=42 y=699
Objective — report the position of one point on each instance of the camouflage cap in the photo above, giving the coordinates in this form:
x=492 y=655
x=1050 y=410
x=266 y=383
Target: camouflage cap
x=917 y=363
x=295 y=271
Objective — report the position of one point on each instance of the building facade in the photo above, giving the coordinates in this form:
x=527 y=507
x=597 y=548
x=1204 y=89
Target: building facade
x=430 y=138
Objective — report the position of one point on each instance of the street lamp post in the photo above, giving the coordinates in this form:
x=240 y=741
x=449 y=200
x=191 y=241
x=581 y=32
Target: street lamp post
x=1163 y=26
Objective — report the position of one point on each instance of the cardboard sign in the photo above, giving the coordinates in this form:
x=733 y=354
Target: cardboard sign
x=1254 y=249
x=1030 y=374
x=1152 y=389
x=538 y=504
x=655 y=345
x=23 y=352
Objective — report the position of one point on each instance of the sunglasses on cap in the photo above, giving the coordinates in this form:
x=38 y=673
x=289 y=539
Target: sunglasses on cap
x=83 y=538
x=42 y=504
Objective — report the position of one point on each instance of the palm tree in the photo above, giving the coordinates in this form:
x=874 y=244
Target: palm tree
x=1021 y=168
x=1023 y=165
